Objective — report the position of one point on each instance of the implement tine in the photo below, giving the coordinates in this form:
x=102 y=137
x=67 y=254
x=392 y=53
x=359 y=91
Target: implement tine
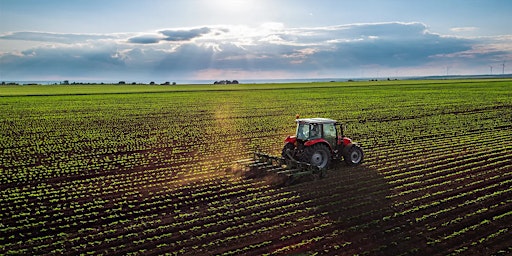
x=245 y=161
x=288 y=167
x=285 y=167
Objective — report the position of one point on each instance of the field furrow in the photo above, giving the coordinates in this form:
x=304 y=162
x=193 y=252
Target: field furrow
x=155 y=173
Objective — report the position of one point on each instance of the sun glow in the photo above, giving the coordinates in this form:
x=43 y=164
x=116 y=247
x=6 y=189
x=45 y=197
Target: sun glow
x=234 y=7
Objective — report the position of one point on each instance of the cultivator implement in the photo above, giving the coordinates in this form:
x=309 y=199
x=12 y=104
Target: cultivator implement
x=286 y=169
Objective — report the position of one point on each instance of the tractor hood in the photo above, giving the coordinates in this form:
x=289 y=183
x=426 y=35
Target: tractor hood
x=291 y=139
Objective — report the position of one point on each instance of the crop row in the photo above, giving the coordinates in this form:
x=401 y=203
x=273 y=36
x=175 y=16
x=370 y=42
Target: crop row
x=152 y=178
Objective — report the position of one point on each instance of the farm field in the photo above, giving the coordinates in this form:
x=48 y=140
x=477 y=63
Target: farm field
x=148 y=170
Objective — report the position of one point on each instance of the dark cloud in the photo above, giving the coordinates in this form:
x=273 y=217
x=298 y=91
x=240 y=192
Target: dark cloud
x=173 y=35
x=64 y=62
x=145 y=39
x=391 y=51
x=187 y=57
x=184 y=35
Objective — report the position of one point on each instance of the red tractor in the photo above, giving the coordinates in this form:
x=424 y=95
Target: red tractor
x=310 y=152
x=318 y=141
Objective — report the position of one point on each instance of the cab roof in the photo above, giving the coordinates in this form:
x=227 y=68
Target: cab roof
x=316 y=120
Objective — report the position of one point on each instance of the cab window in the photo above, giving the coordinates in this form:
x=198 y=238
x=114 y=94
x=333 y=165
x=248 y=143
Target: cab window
x=309 y=131
x=315 y=131
x=330 y=133
x=302 y=131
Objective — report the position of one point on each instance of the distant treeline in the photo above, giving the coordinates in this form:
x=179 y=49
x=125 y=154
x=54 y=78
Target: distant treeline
x=226 y=82
x=66 y=82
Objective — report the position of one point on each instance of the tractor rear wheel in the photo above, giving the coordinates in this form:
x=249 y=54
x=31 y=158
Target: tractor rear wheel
x=318 y=155
x=354 y=155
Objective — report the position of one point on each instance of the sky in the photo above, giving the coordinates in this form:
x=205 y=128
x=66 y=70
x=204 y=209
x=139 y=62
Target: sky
x=178 y=40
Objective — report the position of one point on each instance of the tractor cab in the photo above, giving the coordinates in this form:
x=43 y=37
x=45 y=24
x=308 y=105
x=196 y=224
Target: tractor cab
x=311 y=129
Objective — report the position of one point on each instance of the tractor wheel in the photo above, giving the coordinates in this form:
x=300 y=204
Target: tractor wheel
x=318 y=155
x=354 y=155
x=288 y=148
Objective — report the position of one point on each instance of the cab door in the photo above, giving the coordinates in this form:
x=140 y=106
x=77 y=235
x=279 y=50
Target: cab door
x=329 y=131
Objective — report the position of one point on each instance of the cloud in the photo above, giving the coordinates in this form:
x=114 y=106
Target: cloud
x=184 y=35
x=464 y=29
x=145 y=39
x=484 y=50
x=62 y=62
x=272 y=48
x=54 y=37
x=171 y=35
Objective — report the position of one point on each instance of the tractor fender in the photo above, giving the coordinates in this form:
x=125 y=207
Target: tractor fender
x=310 y=143
x=290 y=139
x=346 y=148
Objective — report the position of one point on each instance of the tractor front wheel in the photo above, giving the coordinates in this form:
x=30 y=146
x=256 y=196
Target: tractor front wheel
x=318 y=155
x=354 y=155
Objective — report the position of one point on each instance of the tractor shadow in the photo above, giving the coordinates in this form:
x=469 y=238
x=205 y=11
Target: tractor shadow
x=347 y=191
x=355 y=199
